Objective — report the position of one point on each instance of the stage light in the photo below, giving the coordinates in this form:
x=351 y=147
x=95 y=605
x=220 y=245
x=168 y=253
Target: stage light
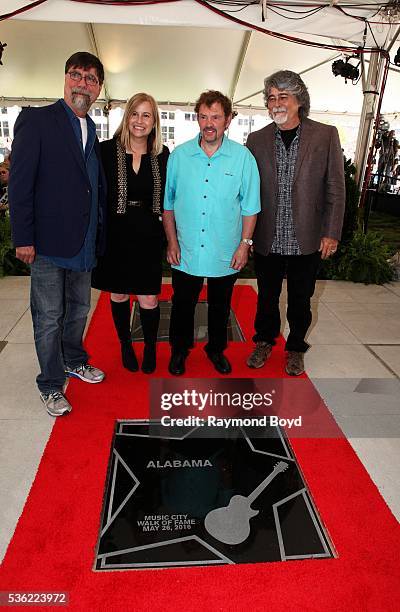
x=2 y=47
x=345 y=69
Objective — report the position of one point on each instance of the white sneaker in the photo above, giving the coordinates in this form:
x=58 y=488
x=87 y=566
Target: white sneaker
x=86 y=372
x=56 y=403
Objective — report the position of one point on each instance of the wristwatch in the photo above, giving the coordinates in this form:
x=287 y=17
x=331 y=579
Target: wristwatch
x=247 y=241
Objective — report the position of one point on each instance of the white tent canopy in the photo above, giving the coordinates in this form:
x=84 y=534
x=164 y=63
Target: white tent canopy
x=198 y=50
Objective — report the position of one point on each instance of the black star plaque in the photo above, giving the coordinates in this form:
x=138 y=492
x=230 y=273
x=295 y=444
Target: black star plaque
x=184 y=499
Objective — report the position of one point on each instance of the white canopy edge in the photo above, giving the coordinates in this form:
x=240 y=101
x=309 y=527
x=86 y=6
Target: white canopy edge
x=182 y=13
x=328 y=22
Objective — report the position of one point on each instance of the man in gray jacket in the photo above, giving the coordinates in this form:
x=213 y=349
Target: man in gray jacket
x=302 y=206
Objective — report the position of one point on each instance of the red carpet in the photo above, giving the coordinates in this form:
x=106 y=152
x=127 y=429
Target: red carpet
x=53 y=546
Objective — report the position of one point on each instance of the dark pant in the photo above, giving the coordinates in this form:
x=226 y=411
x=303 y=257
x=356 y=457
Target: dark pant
x=301 y=273
x=60 y=302
x=186 y=294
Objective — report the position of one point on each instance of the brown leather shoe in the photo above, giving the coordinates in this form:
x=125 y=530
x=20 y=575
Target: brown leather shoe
x=294 y=363
x=259 y=355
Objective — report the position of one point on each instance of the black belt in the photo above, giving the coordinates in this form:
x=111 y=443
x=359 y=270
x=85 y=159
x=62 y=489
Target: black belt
x=135 y=203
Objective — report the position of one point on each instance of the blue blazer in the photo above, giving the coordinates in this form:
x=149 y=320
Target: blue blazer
x=49 y=188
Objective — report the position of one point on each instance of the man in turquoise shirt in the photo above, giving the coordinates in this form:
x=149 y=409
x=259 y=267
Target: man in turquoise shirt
x=212 y=198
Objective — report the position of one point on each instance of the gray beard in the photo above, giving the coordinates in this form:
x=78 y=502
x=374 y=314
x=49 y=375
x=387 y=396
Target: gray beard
x=278 y=120
x=81 y=102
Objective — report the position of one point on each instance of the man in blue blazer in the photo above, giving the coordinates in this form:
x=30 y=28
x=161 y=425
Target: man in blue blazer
x=57 y=208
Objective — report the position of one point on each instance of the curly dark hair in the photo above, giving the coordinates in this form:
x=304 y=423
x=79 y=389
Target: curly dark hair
x=209 y=97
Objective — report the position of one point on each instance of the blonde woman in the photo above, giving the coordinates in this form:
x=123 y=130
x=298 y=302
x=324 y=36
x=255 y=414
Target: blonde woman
x=135 y=163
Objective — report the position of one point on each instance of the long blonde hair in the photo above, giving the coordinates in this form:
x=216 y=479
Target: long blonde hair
x=154 y=141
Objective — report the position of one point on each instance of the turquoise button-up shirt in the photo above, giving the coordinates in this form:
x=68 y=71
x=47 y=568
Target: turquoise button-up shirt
x=209 y=196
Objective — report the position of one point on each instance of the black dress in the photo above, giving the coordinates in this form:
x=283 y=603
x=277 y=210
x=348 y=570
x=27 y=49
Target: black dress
x=135 y=237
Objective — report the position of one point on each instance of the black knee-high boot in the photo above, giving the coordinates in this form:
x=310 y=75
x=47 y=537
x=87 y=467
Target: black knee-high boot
x=121 y=312
x=150 y=319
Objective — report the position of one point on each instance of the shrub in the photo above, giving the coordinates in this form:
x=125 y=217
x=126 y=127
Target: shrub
x=364 y=260
x=360 y=257
x=5 y=240
x=9 y=264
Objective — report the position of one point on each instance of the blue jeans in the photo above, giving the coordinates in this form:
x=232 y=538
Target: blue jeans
x=60 y=302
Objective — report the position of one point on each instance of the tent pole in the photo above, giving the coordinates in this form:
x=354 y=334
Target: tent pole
x=379 y=68
x=383 y=68
x=371 y=94
x=95 y=47
x=240 y=62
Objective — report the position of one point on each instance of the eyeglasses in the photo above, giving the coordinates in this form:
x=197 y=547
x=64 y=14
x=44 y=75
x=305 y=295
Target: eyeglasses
x=90 y=79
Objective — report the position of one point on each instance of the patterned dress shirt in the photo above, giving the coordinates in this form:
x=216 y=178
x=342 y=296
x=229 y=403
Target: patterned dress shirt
x=285 y=241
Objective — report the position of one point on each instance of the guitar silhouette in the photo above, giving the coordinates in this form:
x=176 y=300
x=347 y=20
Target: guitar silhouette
x=231 y=524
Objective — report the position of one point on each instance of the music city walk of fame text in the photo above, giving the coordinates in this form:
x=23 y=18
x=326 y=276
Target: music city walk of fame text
x=167 y=522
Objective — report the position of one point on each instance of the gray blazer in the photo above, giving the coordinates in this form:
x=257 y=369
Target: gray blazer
x=318 y=191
